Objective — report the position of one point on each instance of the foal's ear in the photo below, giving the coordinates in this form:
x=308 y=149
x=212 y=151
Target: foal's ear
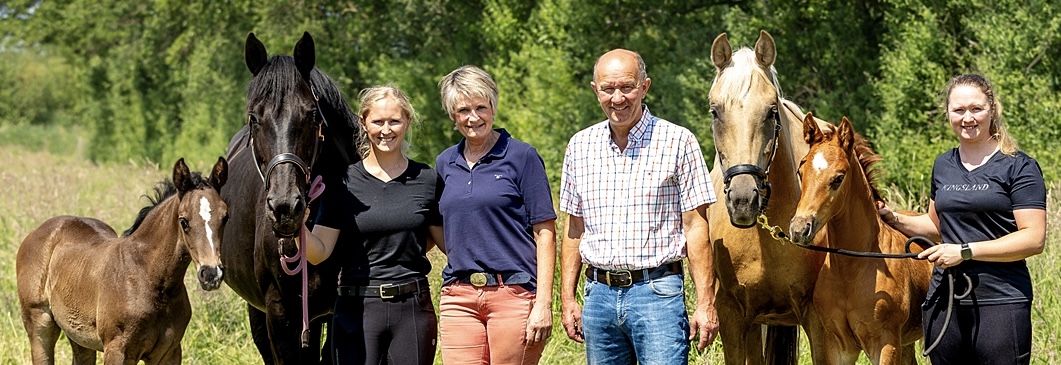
x=811 y=132
x=255 y=55
x=846 y=134
x=765 y=53
x=721 y=51
x=219 y=175
x=182 y=178
x=305 y=55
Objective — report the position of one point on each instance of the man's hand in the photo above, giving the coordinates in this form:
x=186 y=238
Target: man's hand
x=705 y=322
x=572 y=320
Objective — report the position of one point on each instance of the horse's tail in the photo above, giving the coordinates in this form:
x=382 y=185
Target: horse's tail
x=782 y=345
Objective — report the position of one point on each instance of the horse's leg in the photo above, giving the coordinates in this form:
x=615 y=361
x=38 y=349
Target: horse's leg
x=82 y=355
x=781 y=345
x=284 y=321
x=43 y=333
x=172 y=357
x=888 y=351
x=909 y=354
x=816 y=334
x=260 y=334
x=741 y=339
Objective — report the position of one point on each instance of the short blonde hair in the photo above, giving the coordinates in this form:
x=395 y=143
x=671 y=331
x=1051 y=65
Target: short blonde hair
x=369 y=97
x=467 y=81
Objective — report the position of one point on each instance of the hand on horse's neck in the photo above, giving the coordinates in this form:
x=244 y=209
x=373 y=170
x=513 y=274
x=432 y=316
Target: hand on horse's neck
x=386 y=166
x=474 y=151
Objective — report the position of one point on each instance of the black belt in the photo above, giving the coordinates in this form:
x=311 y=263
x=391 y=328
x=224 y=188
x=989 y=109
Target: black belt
x=490 y=279
x=625 y=278
x=384 y=291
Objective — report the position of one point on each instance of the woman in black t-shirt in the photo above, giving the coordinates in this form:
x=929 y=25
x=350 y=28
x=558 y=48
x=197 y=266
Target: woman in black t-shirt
x=989 y=208
x=380 y=220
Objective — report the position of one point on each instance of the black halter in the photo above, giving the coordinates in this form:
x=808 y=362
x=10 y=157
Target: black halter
x=291 y=158
x=761 y=173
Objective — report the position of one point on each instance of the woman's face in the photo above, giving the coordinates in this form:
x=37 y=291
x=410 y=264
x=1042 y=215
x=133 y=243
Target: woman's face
x=969 y=111
x=385 y=125
x=474 y=117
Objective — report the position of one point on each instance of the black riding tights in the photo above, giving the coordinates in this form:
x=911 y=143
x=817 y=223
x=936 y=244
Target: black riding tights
x=985 y=334
x=397 y=331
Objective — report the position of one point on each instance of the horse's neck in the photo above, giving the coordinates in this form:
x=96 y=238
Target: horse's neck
x=790 y=149
x=157 y=242
x=857 y=222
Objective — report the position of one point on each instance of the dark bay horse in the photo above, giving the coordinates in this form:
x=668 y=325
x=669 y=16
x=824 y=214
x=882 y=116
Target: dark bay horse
x=124 y=296
x=758 y=143
x=868 y=304
x=298 y=125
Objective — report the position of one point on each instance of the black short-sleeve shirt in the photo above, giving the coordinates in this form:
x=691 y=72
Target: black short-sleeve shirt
x=382 y=225
x=978 y=205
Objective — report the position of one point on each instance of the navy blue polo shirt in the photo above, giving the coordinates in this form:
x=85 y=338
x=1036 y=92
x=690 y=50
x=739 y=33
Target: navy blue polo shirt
x=488 y=212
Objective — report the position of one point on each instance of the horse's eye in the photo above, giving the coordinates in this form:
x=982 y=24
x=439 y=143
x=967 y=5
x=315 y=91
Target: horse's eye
x=252 y=119
x=714 y=113
x=224 y=219
x=184 y=224
x=837 y=181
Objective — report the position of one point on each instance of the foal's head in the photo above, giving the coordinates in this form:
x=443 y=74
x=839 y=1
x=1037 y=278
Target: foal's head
x=835 y=169
x=201 y=219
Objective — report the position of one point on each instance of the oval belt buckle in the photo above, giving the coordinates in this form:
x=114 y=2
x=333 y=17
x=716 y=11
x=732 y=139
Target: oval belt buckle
x=477 y=278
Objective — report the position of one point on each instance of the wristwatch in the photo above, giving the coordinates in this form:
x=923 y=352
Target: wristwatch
x=967 y=253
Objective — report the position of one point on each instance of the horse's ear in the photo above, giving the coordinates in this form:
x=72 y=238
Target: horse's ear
x=811 y=133
x=846 y=134
x=255 y=55
x=219 y=175
x=182 y=178
x=765 y=53
x=305 y=56
x=721 y=51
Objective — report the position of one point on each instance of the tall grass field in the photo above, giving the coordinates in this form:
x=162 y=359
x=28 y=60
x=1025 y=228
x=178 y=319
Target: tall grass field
x=40 y=185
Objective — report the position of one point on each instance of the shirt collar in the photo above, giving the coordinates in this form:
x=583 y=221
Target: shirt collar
x=497 y=152
x=640 y=129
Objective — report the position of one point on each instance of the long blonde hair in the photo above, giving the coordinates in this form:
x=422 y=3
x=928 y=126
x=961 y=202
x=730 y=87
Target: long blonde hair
x=1006 y=144
x=369 y=97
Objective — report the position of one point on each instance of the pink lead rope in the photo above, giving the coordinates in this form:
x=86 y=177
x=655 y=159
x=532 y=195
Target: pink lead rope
x=315 y=190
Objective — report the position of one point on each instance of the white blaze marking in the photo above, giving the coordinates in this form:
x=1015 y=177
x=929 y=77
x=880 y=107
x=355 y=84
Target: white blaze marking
x=204 y=211
x=819 y=162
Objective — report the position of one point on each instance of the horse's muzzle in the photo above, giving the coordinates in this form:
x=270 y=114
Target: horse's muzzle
x=210 y=277
x=802 y=230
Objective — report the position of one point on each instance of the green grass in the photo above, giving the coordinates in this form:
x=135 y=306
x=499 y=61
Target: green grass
x=40 y=185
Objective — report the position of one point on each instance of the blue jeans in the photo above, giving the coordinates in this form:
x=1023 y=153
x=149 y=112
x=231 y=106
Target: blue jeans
x=645 y=323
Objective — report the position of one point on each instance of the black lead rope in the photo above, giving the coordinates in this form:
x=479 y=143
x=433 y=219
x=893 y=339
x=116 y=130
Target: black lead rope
x=947 y=273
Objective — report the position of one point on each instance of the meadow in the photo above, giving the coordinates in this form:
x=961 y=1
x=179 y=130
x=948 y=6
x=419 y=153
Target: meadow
x=53 y=178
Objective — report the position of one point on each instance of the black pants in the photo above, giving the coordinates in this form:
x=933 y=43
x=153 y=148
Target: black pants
x=985 y=334
x=395 y=331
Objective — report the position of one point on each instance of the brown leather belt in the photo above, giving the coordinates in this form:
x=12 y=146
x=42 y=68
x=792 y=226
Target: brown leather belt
x=384 y=291
x=626 y=278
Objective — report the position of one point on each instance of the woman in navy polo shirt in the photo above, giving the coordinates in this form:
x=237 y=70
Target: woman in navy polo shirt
x=989 y=207
x=380 y=220
x=498 y=212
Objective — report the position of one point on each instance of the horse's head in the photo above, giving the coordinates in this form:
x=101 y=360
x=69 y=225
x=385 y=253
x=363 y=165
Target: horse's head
x=202 y=218
x=826 y=174
x=744 y=100
x=286 y=128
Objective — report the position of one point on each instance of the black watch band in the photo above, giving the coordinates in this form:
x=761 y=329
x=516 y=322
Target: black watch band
x=967 y=253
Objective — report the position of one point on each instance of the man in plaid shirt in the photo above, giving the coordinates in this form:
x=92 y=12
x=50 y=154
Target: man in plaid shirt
x=636 y=190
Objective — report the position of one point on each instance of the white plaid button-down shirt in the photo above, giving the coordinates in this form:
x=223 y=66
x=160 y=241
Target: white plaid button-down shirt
x=632 y=201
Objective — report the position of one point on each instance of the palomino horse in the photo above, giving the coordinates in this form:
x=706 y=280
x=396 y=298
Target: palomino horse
x=868 y=304
x=124 y=296
x=298 y=124
x=758 y=144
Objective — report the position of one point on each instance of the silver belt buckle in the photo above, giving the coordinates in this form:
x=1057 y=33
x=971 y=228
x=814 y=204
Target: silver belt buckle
x=384 y=288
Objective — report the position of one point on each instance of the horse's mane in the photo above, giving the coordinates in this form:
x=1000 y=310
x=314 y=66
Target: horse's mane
x=163 y=190
x=280 y=76
x=868 y=159
x=743 y=63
